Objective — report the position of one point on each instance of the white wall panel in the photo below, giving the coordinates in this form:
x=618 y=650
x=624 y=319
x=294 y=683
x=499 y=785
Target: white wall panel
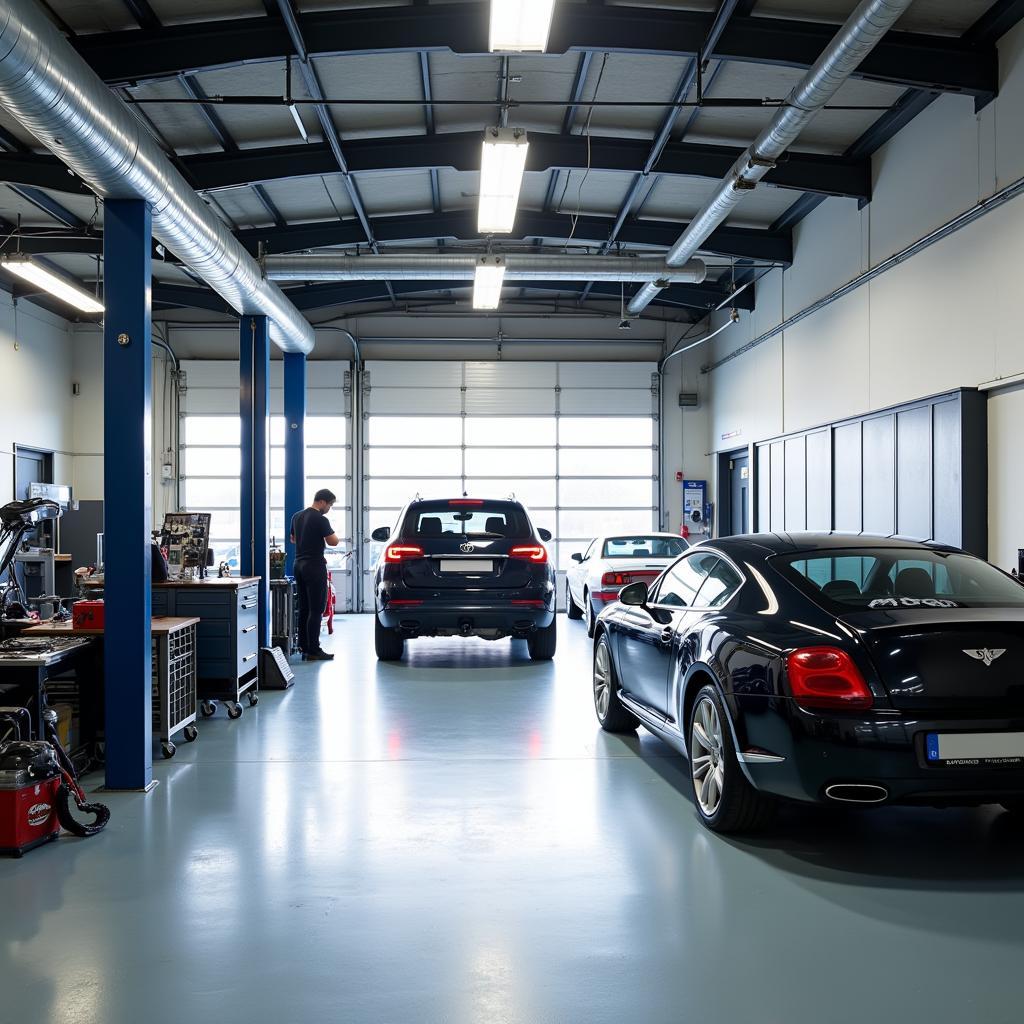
x=1006 y=487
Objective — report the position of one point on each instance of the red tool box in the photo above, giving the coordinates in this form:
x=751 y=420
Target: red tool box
x=87 y=615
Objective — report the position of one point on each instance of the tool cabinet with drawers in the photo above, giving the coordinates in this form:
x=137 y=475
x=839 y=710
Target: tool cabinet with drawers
x=227 y=636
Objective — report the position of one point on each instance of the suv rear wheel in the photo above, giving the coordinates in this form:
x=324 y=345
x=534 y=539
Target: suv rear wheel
x=388 y=643
x=541 y=643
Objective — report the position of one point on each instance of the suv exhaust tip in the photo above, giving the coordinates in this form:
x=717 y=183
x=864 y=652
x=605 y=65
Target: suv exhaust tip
x=857 y=793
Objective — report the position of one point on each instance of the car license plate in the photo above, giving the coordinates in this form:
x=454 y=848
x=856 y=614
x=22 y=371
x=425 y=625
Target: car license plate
x=469 y=565
x=967 y=748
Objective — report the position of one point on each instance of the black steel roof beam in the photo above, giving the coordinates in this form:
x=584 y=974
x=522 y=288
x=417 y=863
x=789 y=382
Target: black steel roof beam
x=725 y=11
x=26 y=186
x=995 y=22
x=143 y=14
x=220 y=132
x=323 y=113
x=805 y=172
x=906 y=108
x=210 y=116
x=913 y=60
x=740 y=243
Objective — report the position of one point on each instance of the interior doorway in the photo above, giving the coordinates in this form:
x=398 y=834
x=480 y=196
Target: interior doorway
x=734 y=485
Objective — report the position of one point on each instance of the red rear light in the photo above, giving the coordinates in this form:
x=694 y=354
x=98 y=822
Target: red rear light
x=466 y=501
x=531 y=552
x=826 y=677
x=616 y=579
x=529 y=604
x=402 y=552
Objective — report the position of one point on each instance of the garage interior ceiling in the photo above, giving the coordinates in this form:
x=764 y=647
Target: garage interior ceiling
x=380 y=173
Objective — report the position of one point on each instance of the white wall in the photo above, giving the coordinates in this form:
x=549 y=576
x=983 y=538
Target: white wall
x=35 y=406
x=943 y=319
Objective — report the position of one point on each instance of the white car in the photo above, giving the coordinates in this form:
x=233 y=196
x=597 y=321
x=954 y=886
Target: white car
x=610 y=563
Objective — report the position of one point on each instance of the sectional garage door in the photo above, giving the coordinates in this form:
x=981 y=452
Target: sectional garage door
x=576 y=442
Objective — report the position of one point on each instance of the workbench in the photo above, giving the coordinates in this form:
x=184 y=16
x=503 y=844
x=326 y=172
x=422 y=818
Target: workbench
x=174 y=672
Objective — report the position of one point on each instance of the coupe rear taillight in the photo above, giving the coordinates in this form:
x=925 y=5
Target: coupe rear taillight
x=535 y=553
x=616 y=579
x=826 y=677
x=402 y=552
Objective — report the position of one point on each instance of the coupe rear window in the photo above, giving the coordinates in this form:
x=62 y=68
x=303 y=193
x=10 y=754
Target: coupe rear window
x=448 y=519
x=880 y=578
x=644 y=547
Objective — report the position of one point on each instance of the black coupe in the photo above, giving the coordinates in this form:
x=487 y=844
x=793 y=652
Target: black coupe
x=823 y=668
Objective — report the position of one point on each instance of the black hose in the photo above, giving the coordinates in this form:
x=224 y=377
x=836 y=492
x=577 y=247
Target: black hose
x=71 y=824
x=69 y=787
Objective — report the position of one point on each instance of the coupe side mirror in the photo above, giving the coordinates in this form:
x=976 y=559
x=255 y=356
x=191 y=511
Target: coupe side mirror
x=577 y=557
x=381 y=534
x=545 y=535
x=634 y=594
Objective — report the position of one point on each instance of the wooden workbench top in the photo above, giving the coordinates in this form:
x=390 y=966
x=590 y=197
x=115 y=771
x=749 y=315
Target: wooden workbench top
x=161 y=625
x=213 y=582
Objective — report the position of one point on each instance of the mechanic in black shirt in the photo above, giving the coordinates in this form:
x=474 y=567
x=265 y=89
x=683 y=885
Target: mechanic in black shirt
x=310 y=531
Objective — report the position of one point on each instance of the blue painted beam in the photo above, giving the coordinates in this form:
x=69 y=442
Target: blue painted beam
x=294 y=446
x=127 y=487
x=254 y=409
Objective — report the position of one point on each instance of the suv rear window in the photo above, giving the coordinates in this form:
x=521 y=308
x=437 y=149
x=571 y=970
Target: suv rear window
x=881 y=578
x=459 y=518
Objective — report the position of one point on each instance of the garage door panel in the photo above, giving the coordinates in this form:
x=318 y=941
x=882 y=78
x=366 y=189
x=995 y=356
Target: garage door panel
x=510 y=401
x=579 y=436
x=596 y=400
x=413 y=401
x=427 y=374
x=511 y=375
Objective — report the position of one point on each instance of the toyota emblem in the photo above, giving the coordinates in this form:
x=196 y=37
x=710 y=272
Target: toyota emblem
x=467 y=548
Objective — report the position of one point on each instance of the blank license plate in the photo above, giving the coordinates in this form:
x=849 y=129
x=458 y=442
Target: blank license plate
x=471 y=565
x=975 y=747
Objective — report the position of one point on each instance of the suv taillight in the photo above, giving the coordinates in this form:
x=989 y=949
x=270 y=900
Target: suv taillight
x=536 y=553
x=402 y=552
x=826 y=677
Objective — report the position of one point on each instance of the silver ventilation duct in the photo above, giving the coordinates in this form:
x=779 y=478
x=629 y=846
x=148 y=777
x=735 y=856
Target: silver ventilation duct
x=854 y=41
x=334 y=266
x=56 y=96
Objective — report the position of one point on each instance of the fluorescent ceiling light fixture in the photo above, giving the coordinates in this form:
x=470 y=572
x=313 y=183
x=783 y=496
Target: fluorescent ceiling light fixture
x=519 y=26
x=487 y=282
x=59 y=287
x=501 y=177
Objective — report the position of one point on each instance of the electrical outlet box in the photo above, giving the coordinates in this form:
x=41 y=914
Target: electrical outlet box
x=167 y=471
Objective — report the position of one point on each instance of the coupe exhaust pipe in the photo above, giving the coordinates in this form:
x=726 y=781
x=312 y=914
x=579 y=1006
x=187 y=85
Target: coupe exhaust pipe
x=857 y=793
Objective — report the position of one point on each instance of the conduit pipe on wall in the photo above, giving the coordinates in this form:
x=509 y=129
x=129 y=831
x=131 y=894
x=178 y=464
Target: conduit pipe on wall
x=854 y=41
x=56 y=96
x=462 y=266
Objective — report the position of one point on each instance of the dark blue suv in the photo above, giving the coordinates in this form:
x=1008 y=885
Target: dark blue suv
x=464 y=567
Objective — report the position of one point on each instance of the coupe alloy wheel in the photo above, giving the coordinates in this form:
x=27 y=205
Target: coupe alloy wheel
x=707 y=755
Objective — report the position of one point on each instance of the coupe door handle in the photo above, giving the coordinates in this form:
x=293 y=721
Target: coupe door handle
x=666 y=635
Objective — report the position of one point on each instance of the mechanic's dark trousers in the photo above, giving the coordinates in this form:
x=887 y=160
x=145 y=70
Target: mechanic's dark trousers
x=311 y=584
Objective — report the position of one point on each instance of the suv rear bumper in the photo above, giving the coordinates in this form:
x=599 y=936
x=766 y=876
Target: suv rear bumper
x=492 y=616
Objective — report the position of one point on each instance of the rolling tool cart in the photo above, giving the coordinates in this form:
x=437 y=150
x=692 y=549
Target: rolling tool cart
x=174 y=672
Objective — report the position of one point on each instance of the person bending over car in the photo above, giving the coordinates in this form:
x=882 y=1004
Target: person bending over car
x=311 y=532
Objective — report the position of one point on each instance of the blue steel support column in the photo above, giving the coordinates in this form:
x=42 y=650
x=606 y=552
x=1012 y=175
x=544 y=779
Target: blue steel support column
x=127 y=486
x=294 y=445
x=254 y=408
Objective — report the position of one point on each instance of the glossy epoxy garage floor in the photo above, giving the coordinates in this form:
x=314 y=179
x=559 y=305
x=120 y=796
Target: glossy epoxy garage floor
x=451 y=839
